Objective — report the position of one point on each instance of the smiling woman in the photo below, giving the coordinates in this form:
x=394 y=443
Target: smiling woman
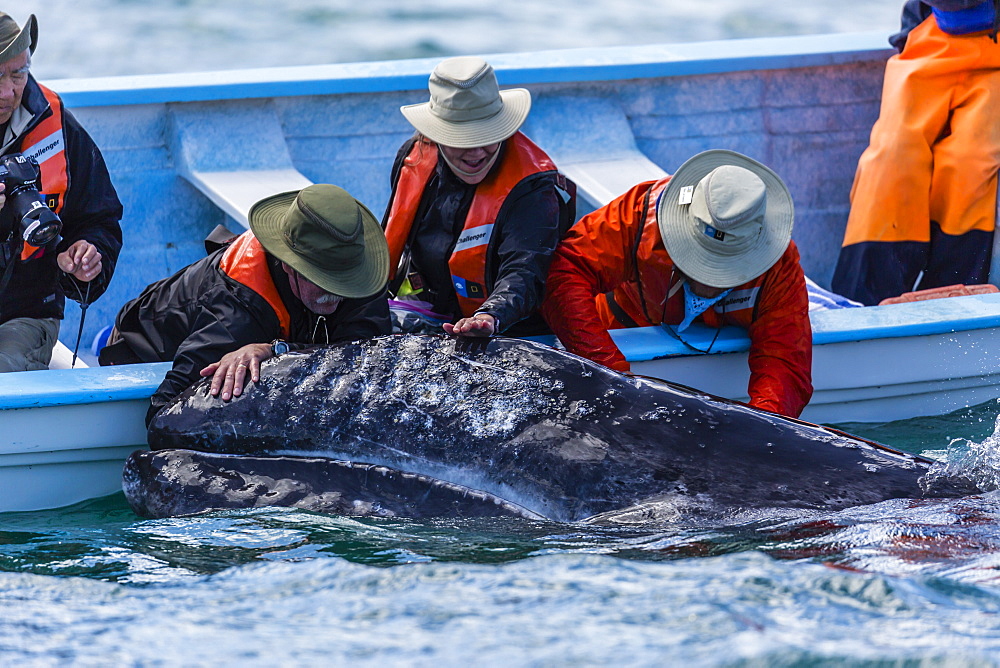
x=470 y=235
x=471 y=165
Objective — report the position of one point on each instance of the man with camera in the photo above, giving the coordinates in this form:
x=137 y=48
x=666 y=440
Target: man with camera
x=59 y=212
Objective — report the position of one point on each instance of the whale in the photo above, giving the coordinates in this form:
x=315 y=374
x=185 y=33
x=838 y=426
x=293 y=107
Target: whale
x=439 y=426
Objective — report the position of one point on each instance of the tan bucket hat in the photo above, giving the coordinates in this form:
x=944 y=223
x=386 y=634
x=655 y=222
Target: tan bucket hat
x=13 y=40
x=725 y=218
x=467 y=109
x=327 y=236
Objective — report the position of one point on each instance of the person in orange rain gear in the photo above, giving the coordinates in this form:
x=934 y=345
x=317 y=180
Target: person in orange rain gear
x=476 y=210
x=923 y=204
x=712 y=244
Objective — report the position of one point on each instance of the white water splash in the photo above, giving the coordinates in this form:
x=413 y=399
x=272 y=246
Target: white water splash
x=965 y=459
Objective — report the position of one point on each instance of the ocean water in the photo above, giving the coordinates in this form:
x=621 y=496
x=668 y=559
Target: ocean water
x=895 y=584
x=900 y=583
x=82 y=38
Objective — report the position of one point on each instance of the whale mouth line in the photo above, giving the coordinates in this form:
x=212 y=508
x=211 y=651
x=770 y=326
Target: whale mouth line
x=455 y=488
x=157 y=484
x=437 y=480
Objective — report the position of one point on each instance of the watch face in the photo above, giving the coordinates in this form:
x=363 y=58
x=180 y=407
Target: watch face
x=279 y=347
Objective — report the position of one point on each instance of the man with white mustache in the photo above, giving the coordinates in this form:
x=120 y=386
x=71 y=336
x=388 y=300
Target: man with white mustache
x=312 y=269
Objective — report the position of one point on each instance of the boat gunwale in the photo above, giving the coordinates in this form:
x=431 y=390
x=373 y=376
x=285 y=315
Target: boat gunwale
x=56 y=387
x=65 y=387
x=518 y=69
x=911 y=319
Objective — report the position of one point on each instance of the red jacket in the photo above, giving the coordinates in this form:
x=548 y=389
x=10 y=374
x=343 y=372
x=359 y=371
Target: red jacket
x=602 y=253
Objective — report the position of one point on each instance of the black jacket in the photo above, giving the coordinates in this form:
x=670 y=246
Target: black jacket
x=529 y=225
x=91 y=211
x=199 y=314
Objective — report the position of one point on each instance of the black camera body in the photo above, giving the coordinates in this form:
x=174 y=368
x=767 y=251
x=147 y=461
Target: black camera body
x=34 y=222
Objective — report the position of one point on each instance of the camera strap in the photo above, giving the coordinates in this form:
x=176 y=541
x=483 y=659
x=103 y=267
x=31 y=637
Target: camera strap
x=9 y=259
x=84 y=303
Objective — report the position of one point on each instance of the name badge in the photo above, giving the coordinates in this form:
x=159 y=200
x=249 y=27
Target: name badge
x=687 y=194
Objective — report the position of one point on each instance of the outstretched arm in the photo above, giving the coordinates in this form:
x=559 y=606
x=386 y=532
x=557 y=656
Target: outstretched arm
x=781 y=341
x=595 y=257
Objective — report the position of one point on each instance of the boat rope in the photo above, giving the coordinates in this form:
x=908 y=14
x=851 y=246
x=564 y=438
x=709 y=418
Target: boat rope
x=8 y=257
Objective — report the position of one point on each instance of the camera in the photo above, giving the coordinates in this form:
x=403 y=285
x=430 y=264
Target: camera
x=36 y=223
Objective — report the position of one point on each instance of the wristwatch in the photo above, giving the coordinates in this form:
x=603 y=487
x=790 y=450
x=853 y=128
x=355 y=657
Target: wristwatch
x=278 y=347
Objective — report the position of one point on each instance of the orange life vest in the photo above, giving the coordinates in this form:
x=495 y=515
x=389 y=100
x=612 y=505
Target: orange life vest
x=46 y=143
x=245 y=261
x=521 y=158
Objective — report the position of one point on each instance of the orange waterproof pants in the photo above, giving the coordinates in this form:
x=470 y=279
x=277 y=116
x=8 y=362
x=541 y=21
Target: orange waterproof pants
x=935 y=149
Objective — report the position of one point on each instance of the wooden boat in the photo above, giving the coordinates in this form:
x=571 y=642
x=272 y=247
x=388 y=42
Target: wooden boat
x=190 y=151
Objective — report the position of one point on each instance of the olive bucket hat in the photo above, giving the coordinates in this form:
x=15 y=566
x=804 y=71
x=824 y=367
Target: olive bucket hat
x=327 y=236
x=467 y=109
x=725 y=218
x=13 y=40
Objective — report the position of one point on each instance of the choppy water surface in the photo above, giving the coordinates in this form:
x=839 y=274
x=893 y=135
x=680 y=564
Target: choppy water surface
x=895 y=583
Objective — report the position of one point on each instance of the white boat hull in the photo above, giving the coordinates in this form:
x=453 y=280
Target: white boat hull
x=959 y=370
x=46 y=467
x=68 y=431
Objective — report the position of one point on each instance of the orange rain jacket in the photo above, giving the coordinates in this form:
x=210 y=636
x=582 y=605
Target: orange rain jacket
x=924 y=197
x=618 y=248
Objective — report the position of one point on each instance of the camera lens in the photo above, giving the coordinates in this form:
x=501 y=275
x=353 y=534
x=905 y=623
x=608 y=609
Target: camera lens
x=41 y=234
x=40 y=226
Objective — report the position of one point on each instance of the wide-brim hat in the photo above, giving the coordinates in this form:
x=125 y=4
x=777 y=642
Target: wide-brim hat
x=467 y=109
x=725 y=218
x=327 y=236
x=13 y=40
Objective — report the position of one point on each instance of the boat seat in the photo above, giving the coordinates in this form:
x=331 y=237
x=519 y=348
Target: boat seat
x=62 y=358
x=591 y=141
x=236 y=156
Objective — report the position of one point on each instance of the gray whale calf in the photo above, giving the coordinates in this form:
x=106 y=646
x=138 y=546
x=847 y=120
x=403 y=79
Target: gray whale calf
x=435 y=426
